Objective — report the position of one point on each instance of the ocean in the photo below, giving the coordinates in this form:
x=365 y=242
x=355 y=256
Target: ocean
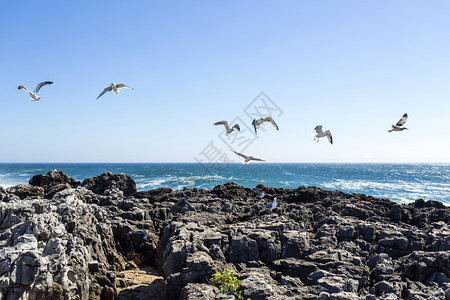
x=402 y=183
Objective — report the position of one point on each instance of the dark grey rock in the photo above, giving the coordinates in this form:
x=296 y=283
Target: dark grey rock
x=108 y=180
x=59 y=240
x=52 y=179
x=182 y=206
x=26 y=190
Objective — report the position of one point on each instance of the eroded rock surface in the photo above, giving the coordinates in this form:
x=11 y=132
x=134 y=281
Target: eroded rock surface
x=62 y=239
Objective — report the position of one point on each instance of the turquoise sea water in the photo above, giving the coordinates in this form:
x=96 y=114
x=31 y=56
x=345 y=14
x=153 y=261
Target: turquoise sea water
x=398 y=182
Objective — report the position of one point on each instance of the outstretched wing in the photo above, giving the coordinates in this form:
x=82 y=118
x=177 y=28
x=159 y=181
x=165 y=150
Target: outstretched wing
x=106 y=89
x=237 y=127
x=318 y=129
x=224 y=123
x=269 y=119
x=240 y=154
x=254 y=125
x=123 y=85
x=329 y=136
x=257 y=159
x=402 y=120
x=21 y=87
x=38 y=87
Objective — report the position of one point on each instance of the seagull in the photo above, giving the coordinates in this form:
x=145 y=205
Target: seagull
x=115 y=88
x=272 y=205
x=400 y=123
x=247 y=158
x=228 y=130
x=257 y=122
x=260 y=195
x=34 y=96
x=319 y=133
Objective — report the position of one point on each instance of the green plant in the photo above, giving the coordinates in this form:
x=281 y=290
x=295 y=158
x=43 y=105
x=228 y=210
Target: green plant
x=227 y=281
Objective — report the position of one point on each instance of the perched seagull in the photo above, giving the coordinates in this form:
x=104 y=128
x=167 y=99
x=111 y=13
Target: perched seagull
x=115 y=88
x=272 y=205
x=399 y=125
x=34 y=96
x=319 y=133
x=247 y=158
x=228 y=130
x=257 y=122
x=260 y=195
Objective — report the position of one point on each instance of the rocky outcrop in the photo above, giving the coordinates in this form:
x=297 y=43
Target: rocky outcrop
x=60 y=239
x=104 y=183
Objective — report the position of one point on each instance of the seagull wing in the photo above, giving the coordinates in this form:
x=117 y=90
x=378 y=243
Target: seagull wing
x=240 y=154
x=402 y=120
x=38 y=87
x=318 y=129
x=224 y=123
x=329 y=136
x=257 y=159
x=21 y=87
x=123 y=85
x=269 y=119
x=254 y=124
x=106 y=89
x=237 y=127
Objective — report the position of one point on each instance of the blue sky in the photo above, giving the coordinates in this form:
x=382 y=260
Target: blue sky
x=354 y=67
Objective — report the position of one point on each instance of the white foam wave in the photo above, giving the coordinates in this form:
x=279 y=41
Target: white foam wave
x=178 y=182
x=401 y=191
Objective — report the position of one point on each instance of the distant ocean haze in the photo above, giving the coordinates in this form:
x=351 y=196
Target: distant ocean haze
x=403 y=183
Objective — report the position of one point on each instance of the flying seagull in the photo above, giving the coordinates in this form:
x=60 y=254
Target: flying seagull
x=34 y=96
x=257 y=122
x=115 y=88
x=247 y=158
x=400 y=123
x=228 y=130
x=319 y=133
x=272 y=205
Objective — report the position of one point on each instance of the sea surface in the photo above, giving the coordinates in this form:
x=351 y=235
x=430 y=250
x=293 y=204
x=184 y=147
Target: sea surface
x=403 y=183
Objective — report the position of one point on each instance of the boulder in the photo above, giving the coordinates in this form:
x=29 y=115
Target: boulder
x=108 y=180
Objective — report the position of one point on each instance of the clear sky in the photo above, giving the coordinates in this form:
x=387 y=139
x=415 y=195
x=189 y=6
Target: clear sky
x=354 y=67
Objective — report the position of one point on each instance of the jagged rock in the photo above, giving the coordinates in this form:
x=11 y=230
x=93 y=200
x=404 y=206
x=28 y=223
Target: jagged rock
x=43 y=260
x=60 y=240
x=182 y=206
x=51 y=180
x=199 y=291
x=259 y=285
x=26 y=190
x=107 y=181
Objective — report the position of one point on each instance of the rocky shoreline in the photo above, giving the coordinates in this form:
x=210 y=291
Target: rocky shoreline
x=64 y=239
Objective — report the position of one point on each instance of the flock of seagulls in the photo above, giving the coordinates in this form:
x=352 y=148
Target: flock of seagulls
x=112 y=87
x=316 y=136
x=256 y=124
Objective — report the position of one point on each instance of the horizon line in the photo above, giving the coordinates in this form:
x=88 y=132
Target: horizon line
x=231 y=162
